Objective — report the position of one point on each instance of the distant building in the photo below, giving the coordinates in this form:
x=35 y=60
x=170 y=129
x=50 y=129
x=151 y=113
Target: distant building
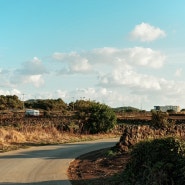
x=167 y=108
x=32 y=112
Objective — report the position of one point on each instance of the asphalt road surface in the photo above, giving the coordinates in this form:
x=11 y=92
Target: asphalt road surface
x=46 y=165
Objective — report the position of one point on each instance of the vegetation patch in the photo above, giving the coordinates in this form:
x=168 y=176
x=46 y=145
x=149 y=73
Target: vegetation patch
x=156 y=162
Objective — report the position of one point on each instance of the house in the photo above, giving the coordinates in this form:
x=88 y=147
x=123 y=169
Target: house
x=32 y=112
x=167 y=108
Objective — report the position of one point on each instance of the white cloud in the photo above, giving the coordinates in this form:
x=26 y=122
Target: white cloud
x=16 y=92
x=5 y=77
x=119 y=73
x=35 y=80
x=91 y=93
x=33 y=67
x=144 y=32
x=80 y=66
x=31 y=72
x=95 y=59
x=11 y=92
x=137 y=55
x=66 y=56
x=74 y=63
x=134 y=89
x=112 y=98
x=178 y=72
x=146 y=57
x=61 y=94
x=126 y=76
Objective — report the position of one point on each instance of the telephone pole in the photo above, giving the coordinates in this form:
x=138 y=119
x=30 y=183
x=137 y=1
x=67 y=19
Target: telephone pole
x=23 y=101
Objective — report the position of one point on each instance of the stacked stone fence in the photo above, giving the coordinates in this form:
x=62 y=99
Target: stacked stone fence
x=134 y=133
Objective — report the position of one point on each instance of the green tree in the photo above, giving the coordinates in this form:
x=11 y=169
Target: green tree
x=10 y=102
x=101 y=118
x=80 y=105
x=47 y=104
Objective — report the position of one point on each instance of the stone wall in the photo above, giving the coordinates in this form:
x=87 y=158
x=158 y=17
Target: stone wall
x=135 y=133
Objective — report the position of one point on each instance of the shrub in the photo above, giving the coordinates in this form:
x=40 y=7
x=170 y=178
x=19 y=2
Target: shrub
x=160 y=120
x=101 y=119
x=157 y=162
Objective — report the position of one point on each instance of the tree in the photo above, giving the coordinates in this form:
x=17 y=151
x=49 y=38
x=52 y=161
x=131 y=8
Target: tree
x=80 y=105
x=10 y=102
x=101 y=118
x=47 y=104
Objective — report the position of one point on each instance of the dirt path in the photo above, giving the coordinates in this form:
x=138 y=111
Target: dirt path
x=98 y=167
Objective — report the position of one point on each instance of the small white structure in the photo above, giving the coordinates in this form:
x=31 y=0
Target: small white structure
x=167 y=108
x=32 y=112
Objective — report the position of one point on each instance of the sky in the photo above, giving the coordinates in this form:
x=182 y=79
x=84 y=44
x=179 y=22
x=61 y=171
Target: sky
x=117 y=52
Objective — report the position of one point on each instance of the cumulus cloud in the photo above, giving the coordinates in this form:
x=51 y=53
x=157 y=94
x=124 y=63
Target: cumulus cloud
x=91 y=93
x=5 y=76
x=137 y=55
x=126 y=76
x=134 y=89
x=36 y=80
x=11 y=92
x=61 y=93
x=178 y=72
x=95 y=59
x=31 y=72
x=33 y=67
x=74 y=63
x=4 y=71
x=146 y=57
x=110 y=97
x=144 y=32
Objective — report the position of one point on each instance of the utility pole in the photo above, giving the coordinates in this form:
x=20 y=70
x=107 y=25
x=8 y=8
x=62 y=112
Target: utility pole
x=23 y=101
x=73 y=104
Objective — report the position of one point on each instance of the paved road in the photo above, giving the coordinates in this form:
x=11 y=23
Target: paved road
x=46 y=165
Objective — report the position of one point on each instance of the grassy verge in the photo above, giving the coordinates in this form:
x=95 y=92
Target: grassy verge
x=13 y=138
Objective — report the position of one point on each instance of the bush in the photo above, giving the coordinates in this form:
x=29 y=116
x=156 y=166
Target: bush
x=10 y=102
x=160 y=120
x=157 y=162
x=101 y=119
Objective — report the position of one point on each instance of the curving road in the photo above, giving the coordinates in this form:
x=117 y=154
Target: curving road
x=46 y=165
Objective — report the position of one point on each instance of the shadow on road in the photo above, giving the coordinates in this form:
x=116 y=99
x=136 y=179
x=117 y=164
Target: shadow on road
x=59 y=182
x=54 y=151
x=96 y=181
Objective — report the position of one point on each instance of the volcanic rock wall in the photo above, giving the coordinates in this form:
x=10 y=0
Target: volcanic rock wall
x=134 y=134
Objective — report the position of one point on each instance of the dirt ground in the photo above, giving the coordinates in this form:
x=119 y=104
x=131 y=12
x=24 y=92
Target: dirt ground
x=99 y=167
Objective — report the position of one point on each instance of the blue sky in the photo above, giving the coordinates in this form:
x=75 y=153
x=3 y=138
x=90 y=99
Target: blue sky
x=119 y=52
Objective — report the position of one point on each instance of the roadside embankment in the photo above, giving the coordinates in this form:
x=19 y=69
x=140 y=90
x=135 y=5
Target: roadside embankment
x=133 y=134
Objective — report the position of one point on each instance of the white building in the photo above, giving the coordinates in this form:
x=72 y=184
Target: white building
x=167 y=108
x=32 y=112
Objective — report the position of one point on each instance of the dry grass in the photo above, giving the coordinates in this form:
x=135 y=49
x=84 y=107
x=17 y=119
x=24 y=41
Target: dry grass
x=14 y=138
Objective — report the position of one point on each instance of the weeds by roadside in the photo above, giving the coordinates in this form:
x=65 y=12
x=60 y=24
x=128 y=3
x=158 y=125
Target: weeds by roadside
x=14 y=138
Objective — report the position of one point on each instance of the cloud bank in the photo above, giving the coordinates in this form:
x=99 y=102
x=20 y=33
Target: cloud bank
x=87 y=61
x=119 y=76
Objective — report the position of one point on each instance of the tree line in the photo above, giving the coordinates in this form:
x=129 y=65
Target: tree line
x=90 y=116
x=10 y=102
